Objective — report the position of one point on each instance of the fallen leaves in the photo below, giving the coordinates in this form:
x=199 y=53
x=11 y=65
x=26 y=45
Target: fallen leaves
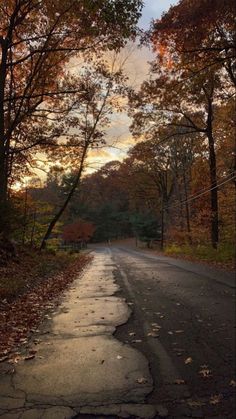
x=195 y=403
x=188 y=360
x=29 y=357
x=179 y=381
x=216 y=399
x=153 y=335
x=14 y=359
x=179 y=351
x=232 y=383
x=142 y=380
x=156 y=326
x=205 y=372
x=22 y=316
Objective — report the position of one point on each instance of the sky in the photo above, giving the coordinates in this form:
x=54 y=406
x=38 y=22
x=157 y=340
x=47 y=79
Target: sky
x=137 y=67
x=153 y=9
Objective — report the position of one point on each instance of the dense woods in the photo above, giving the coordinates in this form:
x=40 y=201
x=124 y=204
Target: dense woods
x=41 y=100
x=177 y=184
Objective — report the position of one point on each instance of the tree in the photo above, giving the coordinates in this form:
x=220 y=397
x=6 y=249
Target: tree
x=103 y=200
x=146 y=227
x=78 y=232
x=171 y=107
x=155 y=161
x=194 y=44
x=201 y=32
x=38 y=40
x=88 y=117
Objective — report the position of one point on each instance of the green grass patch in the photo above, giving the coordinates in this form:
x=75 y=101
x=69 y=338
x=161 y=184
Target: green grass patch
x=224 y=255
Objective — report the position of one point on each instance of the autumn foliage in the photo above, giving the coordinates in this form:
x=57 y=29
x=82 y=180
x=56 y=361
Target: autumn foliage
x=79 y=231
x=41 y=100
x=38 y=292
x=179 y=176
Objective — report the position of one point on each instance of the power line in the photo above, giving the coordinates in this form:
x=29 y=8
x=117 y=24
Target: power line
x=201 y=194
x=218 y=179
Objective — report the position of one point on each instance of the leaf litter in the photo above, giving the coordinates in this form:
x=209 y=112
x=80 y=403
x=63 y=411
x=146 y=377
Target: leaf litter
x=20 y=318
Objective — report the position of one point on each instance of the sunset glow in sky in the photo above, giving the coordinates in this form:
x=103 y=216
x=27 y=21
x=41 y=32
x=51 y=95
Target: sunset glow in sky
x=137 y=69
x=119 y=138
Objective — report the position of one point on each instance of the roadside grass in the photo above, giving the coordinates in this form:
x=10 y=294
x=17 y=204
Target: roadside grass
x=29 y=269
x=223 y=256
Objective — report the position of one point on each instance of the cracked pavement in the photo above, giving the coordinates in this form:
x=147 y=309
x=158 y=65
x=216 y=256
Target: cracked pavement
x=79 y=367
x=136 y=335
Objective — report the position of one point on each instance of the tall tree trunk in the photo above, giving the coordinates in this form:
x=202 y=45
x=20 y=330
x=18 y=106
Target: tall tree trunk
x=213 y=178
x=187 y=208
x=3 y=162
x=33 y=229
x=162 y=223
x=179 y=197
x=25 y=216
x=214 y=193
x=66 y=202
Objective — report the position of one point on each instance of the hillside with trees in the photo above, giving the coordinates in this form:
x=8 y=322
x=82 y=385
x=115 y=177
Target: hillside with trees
x=176 y=186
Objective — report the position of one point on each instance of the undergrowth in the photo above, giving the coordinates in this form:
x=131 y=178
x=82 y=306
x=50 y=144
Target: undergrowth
x=224 y=255
x=29 y=269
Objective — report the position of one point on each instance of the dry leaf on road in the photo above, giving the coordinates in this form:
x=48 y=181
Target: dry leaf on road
x=179 y=381
x=141 y=380
x=153 y=335
x=205 y=372
x=29 y=357
x=195 y=403
x=216 y=399
x=3 y=358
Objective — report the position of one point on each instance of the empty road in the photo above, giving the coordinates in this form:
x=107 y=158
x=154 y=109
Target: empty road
x=136 y=336
x=184 y=322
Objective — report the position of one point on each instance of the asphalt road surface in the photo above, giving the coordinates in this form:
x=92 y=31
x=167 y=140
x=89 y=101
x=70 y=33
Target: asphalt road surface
x=136 y=336
x=184 y=322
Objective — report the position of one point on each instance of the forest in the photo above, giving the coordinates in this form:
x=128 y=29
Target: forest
x=175 y=188
x=117 y=209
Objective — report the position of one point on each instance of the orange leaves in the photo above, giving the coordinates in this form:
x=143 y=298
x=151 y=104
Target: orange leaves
x=79 y=230
x=164 y=55
x=20 y=318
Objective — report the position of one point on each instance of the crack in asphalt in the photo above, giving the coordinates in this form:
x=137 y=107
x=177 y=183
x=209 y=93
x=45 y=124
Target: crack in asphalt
x=133 y=271
x=168 y=371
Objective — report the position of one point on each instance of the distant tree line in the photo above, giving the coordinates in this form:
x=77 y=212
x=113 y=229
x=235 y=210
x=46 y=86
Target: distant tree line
x=177 y=183
x=46 y=108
